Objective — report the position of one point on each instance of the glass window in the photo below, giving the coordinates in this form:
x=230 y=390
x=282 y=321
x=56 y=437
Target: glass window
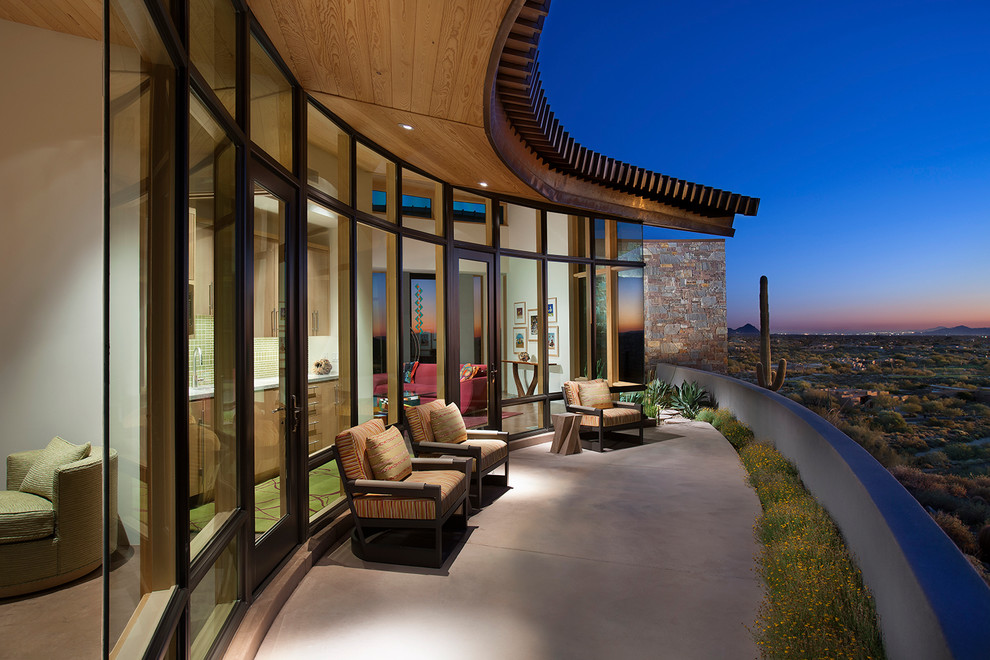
x=568 y=322
x=629 y=324
x=568 y=235
x=472 y=217
x=328 y=156
x=377 y=325
x=271 y=106
x=212 y=327
x=629 y=241
x=213 y=47
x=144 y=289
x=520 y=228
x=604 y=239
x=619 y=324
x=269 y=359
x=474 y=327
x=328 y=410
x=423 y=343
x=523 y=337
x=422 y=203
x=375 y=184
x=212 y=601
x=523 y=417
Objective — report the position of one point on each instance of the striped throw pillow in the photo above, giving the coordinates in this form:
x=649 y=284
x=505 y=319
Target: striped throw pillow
x=388 y=455
x=595 y=394
x=419 y=420
x=448 y=425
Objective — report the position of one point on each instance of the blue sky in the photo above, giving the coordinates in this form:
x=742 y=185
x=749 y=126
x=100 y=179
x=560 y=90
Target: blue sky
x=863 y=127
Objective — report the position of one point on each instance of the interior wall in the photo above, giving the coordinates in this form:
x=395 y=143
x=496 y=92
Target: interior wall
x=51 y=251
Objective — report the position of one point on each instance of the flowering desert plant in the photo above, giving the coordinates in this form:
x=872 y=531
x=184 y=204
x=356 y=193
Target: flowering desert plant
x=815 y=604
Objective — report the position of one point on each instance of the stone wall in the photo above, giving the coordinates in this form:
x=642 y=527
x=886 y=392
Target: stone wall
x=684 y=296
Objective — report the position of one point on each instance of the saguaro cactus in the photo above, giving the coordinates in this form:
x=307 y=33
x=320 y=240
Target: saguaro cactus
x=766 y=378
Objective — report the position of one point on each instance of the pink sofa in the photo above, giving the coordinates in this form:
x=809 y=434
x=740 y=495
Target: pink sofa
x=474 y=391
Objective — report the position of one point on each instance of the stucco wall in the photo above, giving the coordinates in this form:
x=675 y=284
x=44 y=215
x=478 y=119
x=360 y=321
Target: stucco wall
x=684 y=299
x=930 y=601
x=51 y=252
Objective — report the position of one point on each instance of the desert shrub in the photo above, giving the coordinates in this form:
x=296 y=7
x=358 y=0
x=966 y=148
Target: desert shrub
x=891 y=421
x=815 y=603
x=705 y=415
x=873 y=442
x=722 y=417
x=956 y=530
x=738 y=434
x=911 y=408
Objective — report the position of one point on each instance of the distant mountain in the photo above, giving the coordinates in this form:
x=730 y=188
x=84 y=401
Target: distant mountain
x=748 y=329
x=958 y=330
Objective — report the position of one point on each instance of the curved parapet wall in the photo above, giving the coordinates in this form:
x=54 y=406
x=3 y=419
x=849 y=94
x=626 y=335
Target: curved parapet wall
x=530 y=140
x=930 y=600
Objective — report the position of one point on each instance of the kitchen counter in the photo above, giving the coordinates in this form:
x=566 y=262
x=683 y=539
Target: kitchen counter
x=260 y=385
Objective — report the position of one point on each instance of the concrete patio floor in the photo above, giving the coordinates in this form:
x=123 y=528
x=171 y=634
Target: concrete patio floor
x=640 y=552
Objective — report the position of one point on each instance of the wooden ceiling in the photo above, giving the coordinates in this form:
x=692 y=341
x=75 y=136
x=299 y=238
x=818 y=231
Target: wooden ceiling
x=433 y=64
x=379 y=63
x=83 y=18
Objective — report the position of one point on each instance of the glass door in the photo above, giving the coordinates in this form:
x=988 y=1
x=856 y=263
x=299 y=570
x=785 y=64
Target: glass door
x=277 y=401
x=472 y=319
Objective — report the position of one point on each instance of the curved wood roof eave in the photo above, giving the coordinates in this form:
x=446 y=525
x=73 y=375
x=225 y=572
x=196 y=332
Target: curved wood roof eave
x=531 y=142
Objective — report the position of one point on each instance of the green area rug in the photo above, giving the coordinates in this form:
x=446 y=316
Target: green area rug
x=324 y=490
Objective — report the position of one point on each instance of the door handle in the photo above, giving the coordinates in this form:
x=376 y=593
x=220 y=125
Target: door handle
x=296 y=412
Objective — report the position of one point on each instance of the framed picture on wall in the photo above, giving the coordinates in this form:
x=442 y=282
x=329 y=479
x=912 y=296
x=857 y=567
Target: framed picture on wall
x=519 y=341
x=552 y=341
x=551 y=310
x=519 y=314
x=534 y=325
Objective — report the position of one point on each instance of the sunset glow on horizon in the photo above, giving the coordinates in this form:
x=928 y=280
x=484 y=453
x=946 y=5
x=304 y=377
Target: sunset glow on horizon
x=865 y=139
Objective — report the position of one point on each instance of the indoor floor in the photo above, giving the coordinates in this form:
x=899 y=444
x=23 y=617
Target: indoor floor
x=641 y=552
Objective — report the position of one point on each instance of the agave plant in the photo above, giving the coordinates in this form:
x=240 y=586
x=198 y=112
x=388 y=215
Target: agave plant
x=690 y=398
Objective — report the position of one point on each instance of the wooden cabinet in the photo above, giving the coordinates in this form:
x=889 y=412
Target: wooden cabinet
x=318 y=290
x=322 y=423
x=269 y=420
x=204 y=450
x=266 y=286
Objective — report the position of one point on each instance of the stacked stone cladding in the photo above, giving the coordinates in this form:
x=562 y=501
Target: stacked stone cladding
x=684 y=298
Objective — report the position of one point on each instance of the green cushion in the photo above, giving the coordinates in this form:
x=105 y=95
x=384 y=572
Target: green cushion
x=25 y=517
x=40 y=479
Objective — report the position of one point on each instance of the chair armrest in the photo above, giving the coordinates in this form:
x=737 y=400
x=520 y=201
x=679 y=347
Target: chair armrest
x=78 y=502
x=587 y=410
x=443 y=447
x=453 y=463
x=630 y=404
x=485 y=434
x=396 y=488
x=18 y=465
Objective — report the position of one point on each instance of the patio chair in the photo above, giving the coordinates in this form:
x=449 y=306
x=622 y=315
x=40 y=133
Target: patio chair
x=600 y=416
x=388 y=490
x=489 y=449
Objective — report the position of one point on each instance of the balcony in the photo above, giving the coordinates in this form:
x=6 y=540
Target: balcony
x=620 y=554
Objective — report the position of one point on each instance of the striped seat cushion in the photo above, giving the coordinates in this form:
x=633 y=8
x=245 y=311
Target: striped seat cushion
x=492 y=451
x=352 y=448
x=419 y=420
x=25 y=517
x=595 y=394
x=388 y=455
x=613 y=417
x=452 y=485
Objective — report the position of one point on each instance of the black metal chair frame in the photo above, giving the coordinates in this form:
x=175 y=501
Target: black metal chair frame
x=465 y=450
x=369 y=549
x=600 y=431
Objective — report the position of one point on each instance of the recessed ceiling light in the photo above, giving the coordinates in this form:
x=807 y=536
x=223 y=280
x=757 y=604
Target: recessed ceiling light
x=405 y=126
x=483 y=184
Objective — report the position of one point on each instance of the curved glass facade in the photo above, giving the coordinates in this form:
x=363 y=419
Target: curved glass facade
x=274 y=278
